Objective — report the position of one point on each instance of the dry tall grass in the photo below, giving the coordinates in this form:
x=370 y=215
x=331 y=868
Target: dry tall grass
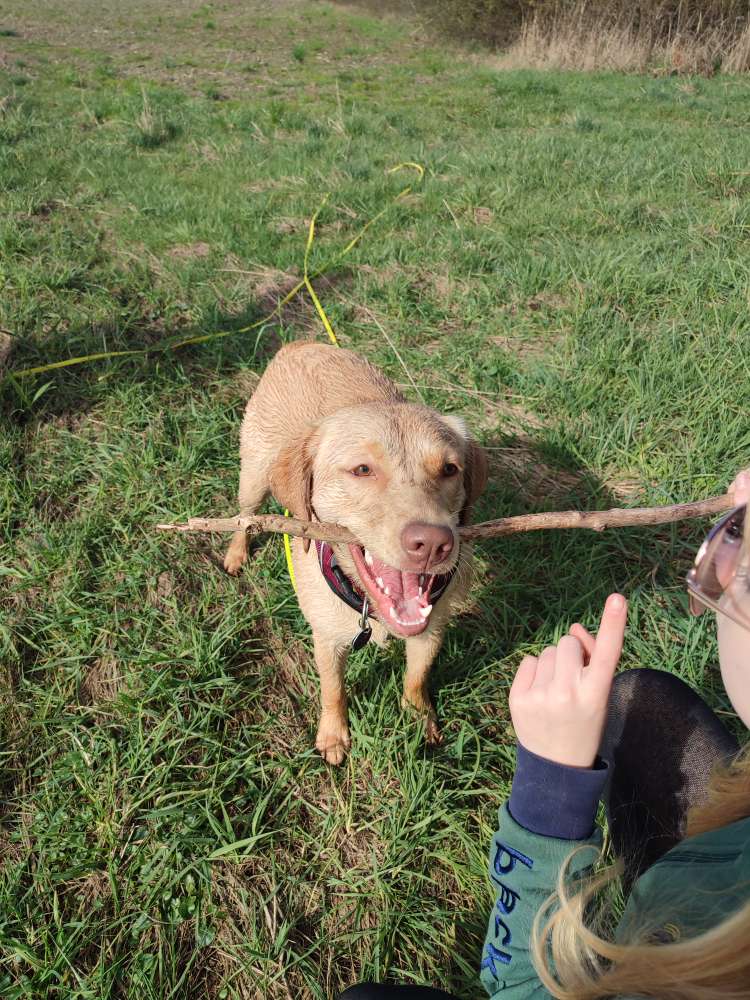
x=588 y=37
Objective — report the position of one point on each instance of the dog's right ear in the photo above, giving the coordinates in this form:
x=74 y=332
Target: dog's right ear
x=475 y=478
x=292 y=478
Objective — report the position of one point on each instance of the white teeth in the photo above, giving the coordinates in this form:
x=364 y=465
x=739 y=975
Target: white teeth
x=368 y=558
x=379 y=581
x=423 y=612
x=420 y=592
x=387 y=591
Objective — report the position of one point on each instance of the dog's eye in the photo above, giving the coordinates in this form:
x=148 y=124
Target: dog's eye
x=449 y=469
x=362 y=470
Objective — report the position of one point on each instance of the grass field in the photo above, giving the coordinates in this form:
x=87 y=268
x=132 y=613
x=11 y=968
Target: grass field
x=572 y=277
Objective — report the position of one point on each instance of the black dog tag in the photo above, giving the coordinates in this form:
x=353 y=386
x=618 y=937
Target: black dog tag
x=361 y=639
x=364 y=635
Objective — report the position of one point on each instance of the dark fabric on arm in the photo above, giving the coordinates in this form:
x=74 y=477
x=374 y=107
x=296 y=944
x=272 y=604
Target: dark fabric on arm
x=382 y=991
x=555 y=800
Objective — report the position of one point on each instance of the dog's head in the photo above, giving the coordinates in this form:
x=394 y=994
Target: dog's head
x=401 y=478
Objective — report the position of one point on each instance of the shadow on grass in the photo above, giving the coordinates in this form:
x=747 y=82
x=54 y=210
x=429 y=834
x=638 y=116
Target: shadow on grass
x=73 y=391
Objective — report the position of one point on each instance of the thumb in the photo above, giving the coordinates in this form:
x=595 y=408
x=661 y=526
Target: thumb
x=609 y=640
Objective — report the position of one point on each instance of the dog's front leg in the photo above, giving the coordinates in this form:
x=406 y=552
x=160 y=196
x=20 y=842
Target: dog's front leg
x=421 y=651
x=333 y=740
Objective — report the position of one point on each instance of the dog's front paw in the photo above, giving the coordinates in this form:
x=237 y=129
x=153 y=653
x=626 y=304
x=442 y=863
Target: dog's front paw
x=236 y=557
x=432 y=732
x=419 y=702
x=333 y=740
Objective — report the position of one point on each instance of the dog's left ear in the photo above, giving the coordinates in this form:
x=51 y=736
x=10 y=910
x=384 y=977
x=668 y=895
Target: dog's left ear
x=292 y=478
x=475 y=468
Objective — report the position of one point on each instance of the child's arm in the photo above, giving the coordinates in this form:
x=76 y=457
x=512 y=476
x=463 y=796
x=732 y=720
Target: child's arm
x=558 y=704
x=550 y=815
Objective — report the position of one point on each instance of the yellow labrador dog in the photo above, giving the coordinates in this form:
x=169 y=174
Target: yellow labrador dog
x=334 y=440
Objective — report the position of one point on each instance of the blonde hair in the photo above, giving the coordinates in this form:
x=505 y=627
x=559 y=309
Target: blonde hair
x=576 y=963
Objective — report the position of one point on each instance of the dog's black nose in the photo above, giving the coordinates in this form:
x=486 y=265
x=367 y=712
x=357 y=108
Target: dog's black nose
x=426 y=545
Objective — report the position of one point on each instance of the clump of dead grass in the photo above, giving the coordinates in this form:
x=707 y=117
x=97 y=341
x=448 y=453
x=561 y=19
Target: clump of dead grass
x=152 y=128
x=103 y=680
x=591 y=37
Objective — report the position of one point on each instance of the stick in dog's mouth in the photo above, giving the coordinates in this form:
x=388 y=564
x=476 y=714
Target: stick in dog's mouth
x=401 y=598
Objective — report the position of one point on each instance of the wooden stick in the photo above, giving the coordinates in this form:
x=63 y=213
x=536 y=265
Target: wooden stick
x=259 y=523
x=595 y=520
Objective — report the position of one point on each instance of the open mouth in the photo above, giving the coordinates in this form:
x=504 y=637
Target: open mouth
x=401 y=598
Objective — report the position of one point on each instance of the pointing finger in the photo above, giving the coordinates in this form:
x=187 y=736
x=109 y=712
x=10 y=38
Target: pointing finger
x=609 y=641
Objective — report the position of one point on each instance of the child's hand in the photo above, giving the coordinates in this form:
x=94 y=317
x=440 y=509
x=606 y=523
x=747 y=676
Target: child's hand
x=739 y=491
x=558 y=701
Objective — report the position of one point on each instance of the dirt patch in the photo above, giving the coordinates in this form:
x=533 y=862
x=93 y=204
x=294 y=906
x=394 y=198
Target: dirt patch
x=274 y=184
x=208 y=153
x=266 y=286
x=10 y=852
x=238 y=389
x=270 y=286
x=383 y=275
x=548 y=300
x=189 y=251
x=483 y=216
x=286 y=226
x=541 y=302
x=496 y=408
x=165 y=588
x=534 y=348
x=93 y=888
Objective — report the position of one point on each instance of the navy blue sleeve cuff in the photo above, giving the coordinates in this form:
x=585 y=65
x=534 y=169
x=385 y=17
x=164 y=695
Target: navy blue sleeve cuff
x=555 y=800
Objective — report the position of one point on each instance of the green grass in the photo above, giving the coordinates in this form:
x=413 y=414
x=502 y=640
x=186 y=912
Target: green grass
x=571 y=277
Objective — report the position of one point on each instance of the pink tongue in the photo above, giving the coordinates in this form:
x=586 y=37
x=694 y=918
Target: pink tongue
x=403 y=589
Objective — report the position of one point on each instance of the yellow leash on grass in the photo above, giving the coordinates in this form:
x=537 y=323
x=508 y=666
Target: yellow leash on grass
x=319 y=306
x=332 y=337
x=174 y=344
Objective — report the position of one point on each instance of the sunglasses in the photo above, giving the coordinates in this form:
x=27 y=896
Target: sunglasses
x=720 y=577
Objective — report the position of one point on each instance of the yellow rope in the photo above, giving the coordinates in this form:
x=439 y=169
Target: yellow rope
x=319 y=306
x=316 y=301
x=174 y=343
x=305 y=283
x=288 y=553
x=331 y=336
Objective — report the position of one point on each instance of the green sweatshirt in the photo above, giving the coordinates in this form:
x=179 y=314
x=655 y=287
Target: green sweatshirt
x=693 y=887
